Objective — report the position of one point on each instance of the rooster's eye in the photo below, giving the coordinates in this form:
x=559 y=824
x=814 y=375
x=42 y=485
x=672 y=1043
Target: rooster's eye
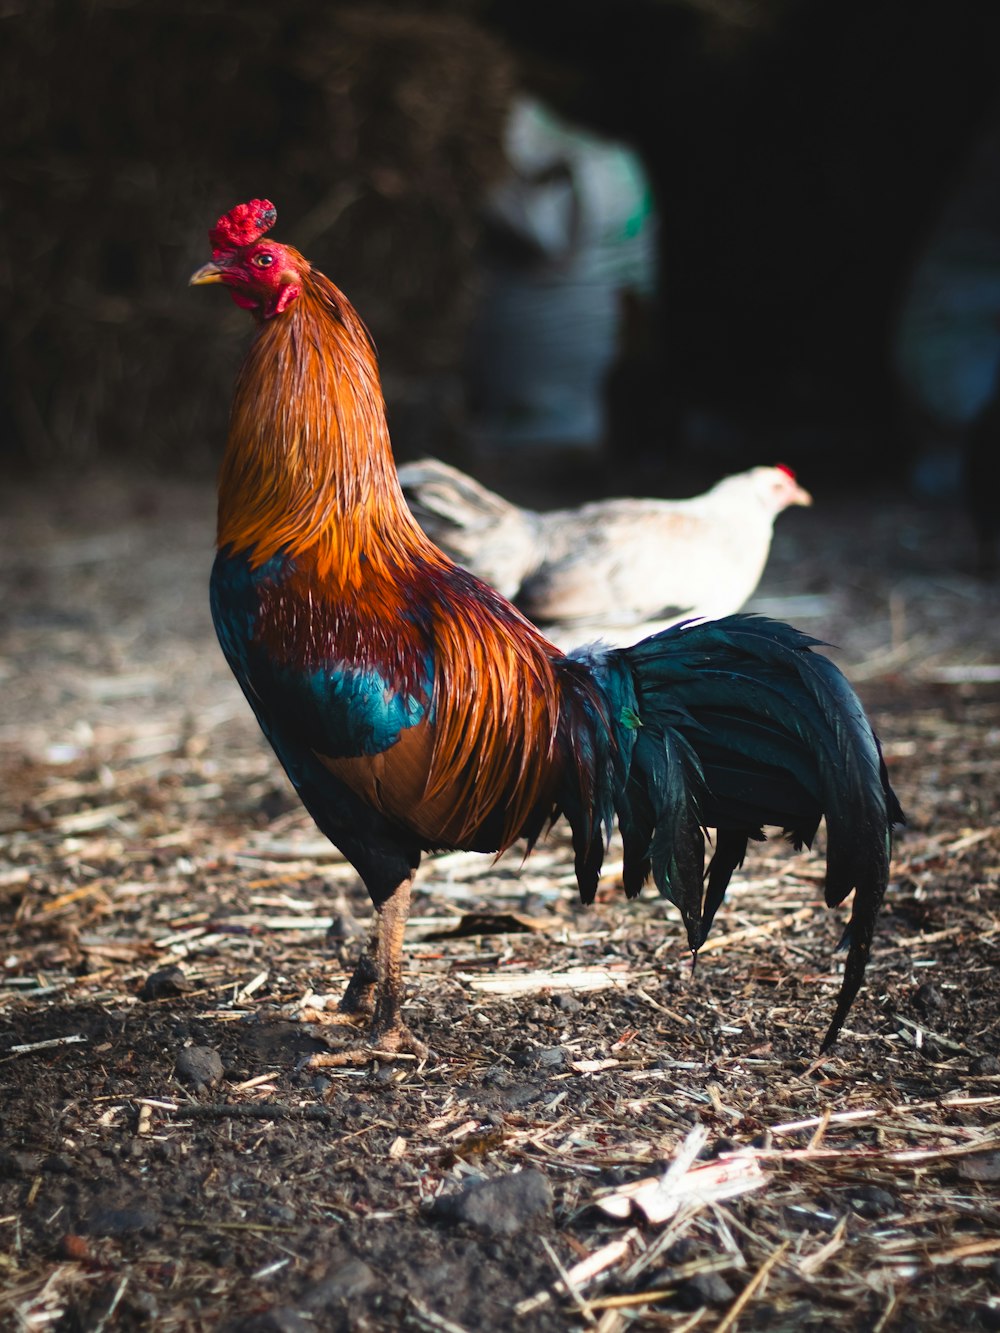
x=263 y=261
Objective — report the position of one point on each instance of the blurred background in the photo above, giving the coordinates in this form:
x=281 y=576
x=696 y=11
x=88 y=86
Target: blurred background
x=677 y=237
x=606 y=248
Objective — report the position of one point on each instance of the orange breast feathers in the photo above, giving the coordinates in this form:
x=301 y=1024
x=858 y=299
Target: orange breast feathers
x=486 y=691
x=487 y=746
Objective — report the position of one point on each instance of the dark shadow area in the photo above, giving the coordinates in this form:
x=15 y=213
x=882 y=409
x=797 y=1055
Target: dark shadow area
x=800 y=157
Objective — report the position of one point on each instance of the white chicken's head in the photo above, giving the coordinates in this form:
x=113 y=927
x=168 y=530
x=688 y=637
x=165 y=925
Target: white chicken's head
x=777 y=488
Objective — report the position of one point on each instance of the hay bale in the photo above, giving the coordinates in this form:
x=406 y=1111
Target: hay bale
x=375 y=130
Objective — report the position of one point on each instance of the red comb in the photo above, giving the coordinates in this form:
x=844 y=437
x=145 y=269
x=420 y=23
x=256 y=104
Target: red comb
x=783 y=467
x=243 y=225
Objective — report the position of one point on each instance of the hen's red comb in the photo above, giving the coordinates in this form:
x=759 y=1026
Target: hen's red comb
x=243 y=225
x=783 y=467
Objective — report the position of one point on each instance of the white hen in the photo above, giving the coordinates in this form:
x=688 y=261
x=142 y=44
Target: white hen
x=605 y=568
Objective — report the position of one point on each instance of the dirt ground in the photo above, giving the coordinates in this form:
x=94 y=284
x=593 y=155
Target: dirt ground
x=160 y=890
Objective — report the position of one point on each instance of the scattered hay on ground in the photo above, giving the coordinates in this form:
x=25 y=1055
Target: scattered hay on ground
x=161 y=889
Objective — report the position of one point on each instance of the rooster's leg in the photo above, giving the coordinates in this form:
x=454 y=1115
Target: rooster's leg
x=379 y=970
x=387 y=1023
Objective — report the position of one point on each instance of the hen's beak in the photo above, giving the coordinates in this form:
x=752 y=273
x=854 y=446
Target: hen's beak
x=800 y=496
x=207 y=273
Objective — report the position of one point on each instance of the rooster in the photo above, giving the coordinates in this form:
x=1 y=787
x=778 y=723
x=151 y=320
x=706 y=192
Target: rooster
x=598 y=569
x=414 y=708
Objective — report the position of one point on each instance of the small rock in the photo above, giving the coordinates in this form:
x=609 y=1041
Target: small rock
x=681 y=1251
x=982 y=1166
x=984 y=1064
x=521 y=1094
x=199 y=1066
x=813 y=1220
x=870 y=1201
x=19 y=1164
x=720 y=1146
x=552 y=1057
x=115 y=1220
x=163 y=982
x=244 y=1187
x=928 y=999
x=220 y=1254
x=567 y=1002
x=146 y=1304
x=73 y=1247
x=704 y=1289
x=281 y=1319
x=502 y=1207
x=347 y=1279
x=57 y=1165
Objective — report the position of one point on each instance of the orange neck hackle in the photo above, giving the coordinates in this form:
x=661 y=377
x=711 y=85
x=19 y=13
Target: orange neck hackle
x=308 y=463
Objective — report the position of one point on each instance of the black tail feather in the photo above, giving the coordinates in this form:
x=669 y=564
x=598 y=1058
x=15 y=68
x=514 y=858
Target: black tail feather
x=730 y=849
x=733 y=725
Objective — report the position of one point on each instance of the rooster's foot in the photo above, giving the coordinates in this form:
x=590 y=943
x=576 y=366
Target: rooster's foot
x=336 y=1018
x=396 y=1043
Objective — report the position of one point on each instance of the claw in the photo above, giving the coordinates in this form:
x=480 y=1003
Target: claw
x=324 y=1018
x=373 y=996
x=398 y=1043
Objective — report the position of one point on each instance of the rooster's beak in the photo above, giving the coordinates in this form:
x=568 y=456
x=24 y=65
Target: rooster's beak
x=207 y=273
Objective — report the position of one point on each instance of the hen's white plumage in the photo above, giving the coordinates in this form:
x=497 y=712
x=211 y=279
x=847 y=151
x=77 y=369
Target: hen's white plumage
x=612 y=569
